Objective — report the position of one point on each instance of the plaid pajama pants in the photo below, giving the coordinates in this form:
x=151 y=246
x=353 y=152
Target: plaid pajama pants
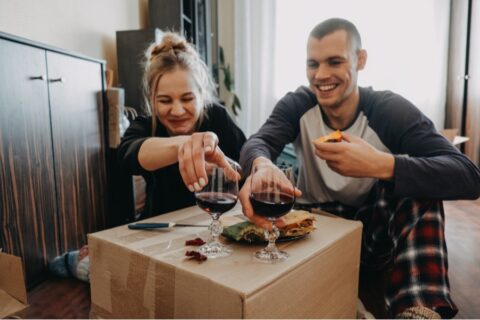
x=408 y=233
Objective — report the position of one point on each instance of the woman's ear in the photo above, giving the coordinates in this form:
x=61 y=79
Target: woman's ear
x=361 y=59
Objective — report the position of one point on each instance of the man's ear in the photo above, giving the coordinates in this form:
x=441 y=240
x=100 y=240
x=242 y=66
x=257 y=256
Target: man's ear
x=361 y=59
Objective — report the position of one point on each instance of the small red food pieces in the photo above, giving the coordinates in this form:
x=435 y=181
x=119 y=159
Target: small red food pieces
x=195 y=255
x=194 y=242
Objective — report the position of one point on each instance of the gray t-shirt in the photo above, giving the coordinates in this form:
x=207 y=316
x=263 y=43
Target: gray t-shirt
x=317 y=181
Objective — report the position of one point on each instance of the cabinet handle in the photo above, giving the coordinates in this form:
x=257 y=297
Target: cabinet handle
x=61 y=79
x=42 y=77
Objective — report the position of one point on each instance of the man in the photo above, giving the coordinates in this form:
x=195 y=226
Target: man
x=391 y=171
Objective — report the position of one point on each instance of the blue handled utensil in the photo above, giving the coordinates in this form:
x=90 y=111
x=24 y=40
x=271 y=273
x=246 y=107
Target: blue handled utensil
x=157 y=225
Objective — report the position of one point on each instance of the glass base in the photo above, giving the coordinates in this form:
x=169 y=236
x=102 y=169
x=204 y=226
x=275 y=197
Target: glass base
x=271 y=256
x=215 y=250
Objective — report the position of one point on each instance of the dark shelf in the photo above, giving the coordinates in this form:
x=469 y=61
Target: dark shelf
x=186 y=18
x=195 y=19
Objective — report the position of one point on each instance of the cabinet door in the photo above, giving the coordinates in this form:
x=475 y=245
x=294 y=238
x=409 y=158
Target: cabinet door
x=28 y=225
x=79 y=150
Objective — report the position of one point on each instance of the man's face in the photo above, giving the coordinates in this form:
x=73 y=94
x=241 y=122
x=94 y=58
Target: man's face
x=332 y=69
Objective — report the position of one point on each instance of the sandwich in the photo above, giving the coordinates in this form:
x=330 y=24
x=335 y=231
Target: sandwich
x=335 y=136
x=297 y=223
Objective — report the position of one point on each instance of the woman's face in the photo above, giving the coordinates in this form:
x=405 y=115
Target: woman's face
x=176 y=102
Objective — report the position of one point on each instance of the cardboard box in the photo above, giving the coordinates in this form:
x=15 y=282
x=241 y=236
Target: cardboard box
x=145 y=274
x=451 y=135
x=13 y=294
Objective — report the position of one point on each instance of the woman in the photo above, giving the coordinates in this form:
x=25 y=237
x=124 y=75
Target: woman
x=186 y=129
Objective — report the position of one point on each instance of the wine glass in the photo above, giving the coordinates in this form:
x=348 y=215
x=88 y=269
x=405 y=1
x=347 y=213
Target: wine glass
x=217 y=197
x=272 y=196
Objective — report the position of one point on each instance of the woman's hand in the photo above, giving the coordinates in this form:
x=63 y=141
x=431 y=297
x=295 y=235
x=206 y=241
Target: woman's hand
x=198 y=153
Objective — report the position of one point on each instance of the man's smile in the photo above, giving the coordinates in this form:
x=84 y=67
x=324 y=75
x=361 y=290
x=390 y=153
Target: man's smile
x=326 y=87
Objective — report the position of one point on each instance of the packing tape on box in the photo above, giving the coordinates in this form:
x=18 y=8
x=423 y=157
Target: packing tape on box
x=130 y=282
x=122 y=276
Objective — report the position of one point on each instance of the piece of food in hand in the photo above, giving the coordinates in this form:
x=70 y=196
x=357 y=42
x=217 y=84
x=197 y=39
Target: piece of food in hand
x=335 y=136
x=297 y=223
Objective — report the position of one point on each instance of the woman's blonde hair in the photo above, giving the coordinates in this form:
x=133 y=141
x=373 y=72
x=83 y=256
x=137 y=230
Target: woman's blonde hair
x=175 y=52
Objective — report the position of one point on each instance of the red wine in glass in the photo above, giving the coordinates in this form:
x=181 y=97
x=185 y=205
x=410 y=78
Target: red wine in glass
x=272 y=196
x=215 y=202
x=268 y=205
x=217 y=197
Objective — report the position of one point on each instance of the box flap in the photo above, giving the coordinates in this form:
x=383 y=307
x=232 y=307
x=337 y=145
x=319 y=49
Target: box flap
x=451 y=135
x=9 y=306
x=12 y=279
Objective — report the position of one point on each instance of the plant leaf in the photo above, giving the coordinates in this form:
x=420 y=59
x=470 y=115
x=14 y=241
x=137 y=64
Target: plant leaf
x=227 y=80
x=221 y=56
x=236 y=101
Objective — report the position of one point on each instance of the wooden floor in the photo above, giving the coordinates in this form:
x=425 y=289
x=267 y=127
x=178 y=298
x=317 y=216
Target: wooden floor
x=463 y=236
x=59 y=298
x=66 y=298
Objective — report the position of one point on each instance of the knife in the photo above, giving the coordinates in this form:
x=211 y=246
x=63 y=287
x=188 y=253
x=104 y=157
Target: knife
x=156 y=225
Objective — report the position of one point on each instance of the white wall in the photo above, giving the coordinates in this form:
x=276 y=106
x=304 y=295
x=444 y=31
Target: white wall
x=82 y=26
x=434 y=80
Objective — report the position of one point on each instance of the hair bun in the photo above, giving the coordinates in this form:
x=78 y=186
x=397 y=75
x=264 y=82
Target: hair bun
x=171 y=44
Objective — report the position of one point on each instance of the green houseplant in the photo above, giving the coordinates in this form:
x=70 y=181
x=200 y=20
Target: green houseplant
x=228 y=82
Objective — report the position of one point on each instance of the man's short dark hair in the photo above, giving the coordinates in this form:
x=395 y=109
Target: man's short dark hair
x=328 y=26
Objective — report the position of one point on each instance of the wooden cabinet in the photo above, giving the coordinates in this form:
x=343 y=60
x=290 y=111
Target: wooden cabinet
x=28 y=208
x=77 y=136
x=52 y=160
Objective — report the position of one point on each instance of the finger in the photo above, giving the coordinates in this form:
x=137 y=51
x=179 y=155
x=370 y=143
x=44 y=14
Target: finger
x=334 y=165
x=287 y=188
x=349 y=137
x=198 y=161
x=329 y=146
x=261 y=222
x=232 y=169
x=209 y=167
x=298 y=193
x=210 y=142
x=189 y=166
x=232 y=173
x=235 y=166
x=219 y=158
x=244 y=197
x=329 y=156
x=183 y=169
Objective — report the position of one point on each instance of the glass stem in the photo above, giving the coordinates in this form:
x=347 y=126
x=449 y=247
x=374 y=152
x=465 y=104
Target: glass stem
x=216 y=228
x=272 y=237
